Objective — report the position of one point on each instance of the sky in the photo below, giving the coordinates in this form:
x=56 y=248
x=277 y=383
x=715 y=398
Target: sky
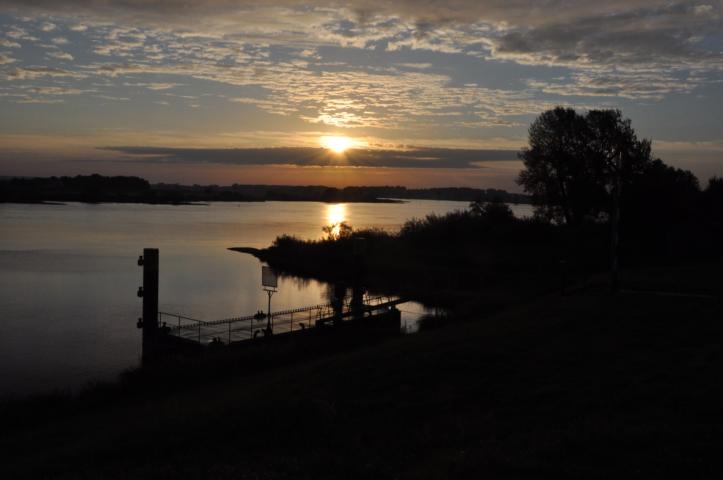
x=426 y=92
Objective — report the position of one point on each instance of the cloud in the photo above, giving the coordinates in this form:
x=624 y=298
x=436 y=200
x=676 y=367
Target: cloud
x=33 y=72
x=415 y=66
x=60 y=55
x=591 y=37
x=155 y=86
x=639 y=35
x=318 y=157
x=8 y=43
x=58 y=91
x=703 y=9
x=602 y=52
x=43 y=95
x=18 y=33
x=4 y=59
x=36 y=100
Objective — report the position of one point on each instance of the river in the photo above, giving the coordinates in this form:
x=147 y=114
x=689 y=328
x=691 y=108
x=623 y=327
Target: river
x=68 y=275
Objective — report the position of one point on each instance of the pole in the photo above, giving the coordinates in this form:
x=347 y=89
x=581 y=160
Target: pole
x=149 y=261
x=149 y=293
x=615 y=220
x=268 y=312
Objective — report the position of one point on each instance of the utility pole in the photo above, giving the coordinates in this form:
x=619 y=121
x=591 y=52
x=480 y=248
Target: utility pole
x=615 y=226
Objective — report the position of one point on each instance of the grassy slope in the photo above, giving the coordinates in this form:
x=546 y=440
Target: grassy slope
x=583 y=386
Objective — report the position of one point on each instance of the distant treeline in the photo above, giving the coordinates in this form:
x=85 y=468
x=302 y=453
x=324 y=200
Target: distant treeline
x=98 y=188
x=446 y=193
x=91 y=188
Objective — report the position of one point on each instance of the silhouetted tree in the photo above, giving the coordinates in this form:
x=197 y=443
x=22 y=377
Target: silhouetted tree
x=497 y=213
x=337 y=231
x=571 y=162
x=661 y=211
x=713 y=196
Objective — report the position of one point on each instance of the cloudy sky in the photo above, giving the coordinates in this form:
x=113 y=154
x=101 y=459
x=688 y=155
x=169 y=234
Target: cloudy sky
x=431 y=92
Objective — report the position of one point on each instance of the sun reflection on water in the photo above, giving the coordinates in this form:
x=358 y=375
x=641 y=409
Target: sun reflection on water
x=335 y=215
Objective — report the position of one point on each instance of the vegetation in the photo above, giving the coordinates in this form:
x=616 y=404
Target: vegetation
x=538 y=372
x=487 y=254
x=581 y=386
x=571 y=164
x=483 y=255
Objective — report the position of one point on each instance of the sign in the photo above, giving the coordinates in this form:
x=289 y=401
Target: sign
x=268 y=278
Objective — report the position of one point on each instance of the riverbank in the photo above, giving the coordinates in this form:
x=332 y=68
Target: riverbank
x=102 y=189
x=450 y=261
x=579 y=386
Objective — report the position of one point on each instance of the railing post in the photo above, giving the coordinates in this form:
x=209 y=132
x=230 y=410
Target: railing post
x=229 y=332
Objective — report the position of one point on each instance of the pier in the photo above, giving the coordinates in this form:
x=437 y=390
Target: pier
x=286 y=322
x=166 y=332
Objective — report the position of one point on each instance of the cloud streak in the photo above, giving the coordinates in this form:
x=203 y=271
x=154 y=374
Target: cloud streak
x=317 y=157
x=430 y=72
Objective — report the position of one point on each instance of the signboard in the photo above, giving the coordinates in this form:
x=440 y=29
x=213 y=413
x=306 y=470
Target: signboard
x=268 y=278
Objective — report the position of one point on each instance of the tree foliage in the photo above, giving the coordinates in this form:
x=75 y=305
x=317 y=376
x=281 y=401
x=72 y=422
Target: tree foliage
x=497 y=213
x=571 y=162
x=337 y=231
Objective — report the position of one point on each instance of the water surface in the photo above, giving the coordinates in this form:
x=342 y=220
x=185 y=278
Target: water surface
x=68 y=275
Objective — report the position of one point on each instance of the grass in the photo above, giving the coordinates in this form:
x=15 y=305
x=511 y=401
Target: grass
x=581 y=386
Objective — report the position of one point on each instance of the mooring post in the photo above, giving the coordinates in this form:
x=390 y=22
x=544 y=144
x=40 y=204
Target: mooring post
x=149 y=293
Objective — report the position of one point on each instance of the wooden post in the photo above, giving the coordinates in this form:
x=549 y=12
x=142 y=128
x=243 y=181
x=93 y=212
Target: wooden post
x=150 y=290
x=149 y=293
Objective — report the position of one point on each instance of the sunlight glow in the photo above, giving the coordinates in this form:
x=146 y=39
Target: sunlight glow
x=335 y=215
x=337 y=144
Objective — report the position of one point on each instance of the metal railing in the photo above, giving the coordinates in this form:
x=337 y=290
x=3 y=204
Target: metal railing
x=236 y=329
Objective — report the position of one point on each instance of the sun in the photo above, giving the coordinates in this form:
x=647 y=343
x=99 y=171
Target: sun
x=337 y=144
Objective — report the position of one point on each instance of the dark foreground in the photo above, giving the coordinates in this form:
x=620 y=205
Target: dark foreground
x=581 y=386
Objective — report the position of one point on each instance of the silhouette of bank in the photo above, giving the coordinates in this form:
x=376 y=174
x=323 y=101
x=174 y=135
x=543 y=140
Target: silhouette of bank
x=523 y=382
x=573 y=167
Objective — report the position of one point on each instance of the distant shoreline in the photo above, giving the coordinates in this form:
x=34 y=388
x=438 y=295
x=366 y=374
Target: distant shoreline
x=101 y=189
x=192 y=204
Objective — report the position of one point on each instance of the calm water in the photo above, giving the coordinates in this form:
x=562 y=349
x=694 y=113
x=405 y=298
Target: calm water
x=68 y=275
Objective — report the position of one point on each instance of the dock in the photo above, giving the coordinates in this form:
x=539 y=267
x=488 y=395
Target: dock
x=236 y=330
